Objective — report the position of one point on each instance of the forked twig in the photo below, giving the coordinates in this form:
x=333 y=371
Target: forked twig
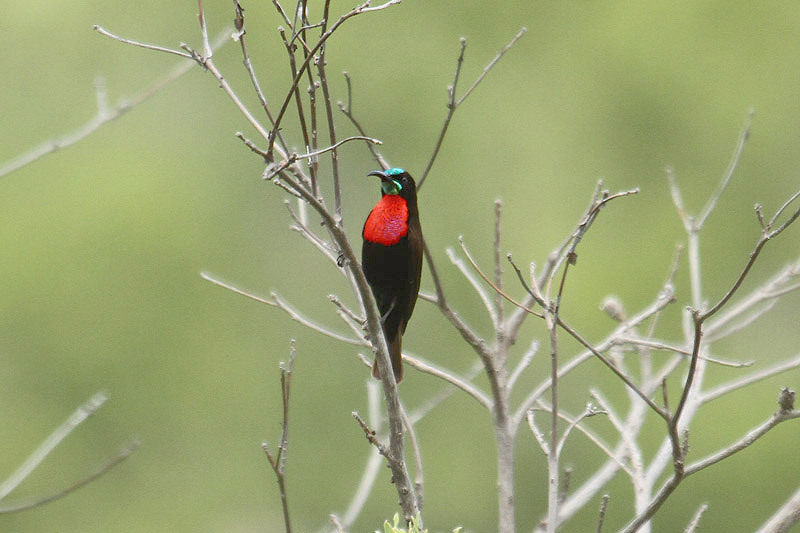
x=278 y=460
x=453 y=102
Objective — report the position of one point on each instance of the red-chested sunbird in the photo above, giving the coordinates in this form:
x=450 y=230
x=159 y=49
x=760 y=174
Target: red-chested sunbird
x=392 y=258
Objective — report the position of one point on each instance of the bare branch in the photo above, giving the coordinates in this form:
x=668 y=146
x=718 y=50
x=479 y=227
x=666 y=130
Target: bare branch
x=677 y=200
x=426 y=407
x=363 y=8
x=201 y=17
x=784 y=518
x=419 y=478
x=102 y=469
x=695 y=523
x=453 y=103
x=476 y=285
x=372 y=437
x=103 y=31
x=752 y=436
x=627 y=438
x=671 y=484
x=276 y=301
x=726 y=178
x=348 y=112
x=467 y=333
x=765 y=237
x=373 y=465
x=727 y=388
x=451 y=378
x=786 y=204
x=524 y=363
x=278 y=462
x=664 y=299
x=537 y=433
x=103 y=116
x=498 y=274
x=659 y=345
x=602 y=514
x=497 y=289
x=326 y=95
x=45 y=448
x=248 y=65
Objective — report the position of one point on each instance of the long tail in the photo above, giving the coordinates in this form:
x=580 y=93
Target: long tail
x=396 y=355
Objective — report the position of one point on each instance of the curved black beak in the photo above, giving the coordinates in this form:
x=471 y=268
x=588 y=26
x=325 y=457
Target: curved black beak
x=380 y=173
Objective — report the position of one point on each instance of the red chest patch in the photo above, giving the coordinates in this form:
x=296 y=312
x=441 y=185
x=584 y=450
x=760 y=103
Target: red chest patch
x=387 y=223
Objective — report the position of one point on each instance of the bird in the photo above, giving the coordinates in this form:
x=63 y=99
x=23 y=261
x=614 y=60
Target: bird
x=391 y=257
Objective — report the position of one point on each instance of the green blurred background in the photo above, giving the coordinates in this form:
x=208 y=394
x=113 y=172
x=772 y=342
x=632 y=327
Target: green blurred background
x=103 y=243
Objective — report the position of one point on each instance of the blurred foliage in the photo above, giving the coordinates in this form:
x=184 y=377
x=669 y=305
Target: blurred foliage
x=413 y=527
x=103 y=242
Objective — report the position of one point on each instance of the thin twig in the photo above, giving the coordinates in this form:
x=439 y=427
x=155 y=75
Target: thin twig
x=363 y=8
x=103 y=115
x=575 y=335
x=476 y=285
x=45 y=448
x=373 y=466
x=103 y=31
x=658 y=345
x=726 y=178
x=695 y=523
x=326 y=95
x=746 y=441
x=348 y=112
x=372 y=437
x=602 y=514
x=497 y=289
x=453 y=102
x=301 y=116
x=278 y=461
x=700 y=317
x=451 y=378
x=276 y=301
x=739 y=383
x=272 y=172
x=524 y=363
x=239 y=35
x=467 y=333
x=419 y=478
x=101 y=469
x=664 y=299
x=498 y=274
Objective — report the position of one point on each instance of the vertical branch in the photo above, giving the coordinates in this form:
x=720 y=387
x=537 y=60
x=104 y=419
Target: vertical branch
x=495 y=365
x=551 y=320
x=300 y=34
x=419 y=478
x=363 y=8
x=453 y=102
x=451 y=109
x=207 y=52
x=348 y=112
x=498 y=273
x=396 y=454
x=291 y=49
x=248 y=65
x=323 y=81
x=278 y=462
